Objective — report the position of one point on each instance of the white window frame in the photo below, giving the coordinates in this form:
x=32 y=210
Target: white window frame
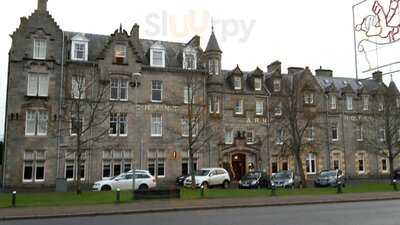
x=252 y=140
x=338 y=159
x=277 y=85
x=79 y=39
x=37 y=163
x=188 y=95
x=335 y=127
x=104 y=163
x=229 y=136
x=156 y=120
x=257 y=84
x=71 y=125
x=189 y=51
x=38 y=119
x=349 y=103
x=239 y=107
x=382 y=135
x=213 y=67
x=117 y=118
x=120 y=51
x=159 y=49
x=70 y=163
x=78 y=89
x=359 y=133
x=361 y=156
x=153 y=84
x=40 y=85
x=333 y=102
x=237 y=83
x=310 y=160
x=32 y=172
x=118 y=85
x=310 y=133
x=259 y=107
x=386 y=165
x=278 y=110
x=39 y=49
x=280 y=135
x=365 y=100
x=309 y=98
x=380 y=106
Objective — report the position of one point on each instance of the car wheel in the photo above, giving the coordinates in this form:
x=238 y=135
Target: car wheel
x=106 y=188
x=226 y=184
x=205 y=185
x=143 y=187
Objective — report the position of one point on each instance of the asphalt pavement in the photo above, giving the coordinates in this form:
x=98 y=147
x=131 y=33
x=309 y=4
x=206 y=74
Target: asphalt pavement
x=361 y=213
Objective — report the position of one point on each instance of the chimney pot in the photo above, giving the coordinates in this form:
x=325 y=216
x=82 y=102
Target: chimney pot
x=42 y=5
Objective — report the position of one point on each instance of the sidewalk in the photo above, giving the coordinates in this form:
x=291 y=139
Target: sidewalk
x=181 y=205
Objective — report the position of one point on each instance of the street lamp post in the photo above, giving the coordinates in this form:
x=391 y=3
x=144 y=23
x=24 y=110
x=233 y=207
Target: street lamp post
x=136 y=77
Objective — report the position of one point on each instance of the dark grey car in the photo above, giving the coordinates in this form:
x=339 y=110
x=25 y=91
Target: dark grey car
x=329 y=178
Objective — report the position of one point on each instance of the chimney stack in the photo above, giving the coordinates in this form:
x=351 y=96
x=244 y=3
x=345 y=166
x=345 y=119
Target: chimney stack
x=135 y=32
x=377 y=76
x=42 y=5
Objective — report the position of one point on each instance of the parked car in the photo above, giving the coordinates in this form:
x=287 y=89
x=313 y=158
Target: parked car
x=210 y=177
x=143 y=181
x=255 y=179
x=329 y=178
x=181 y=180
x=283 y=179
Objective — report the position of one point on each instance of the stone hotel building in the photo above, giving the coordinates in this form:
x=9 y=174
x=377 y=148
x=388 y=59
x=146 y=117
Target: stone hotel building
x=146 y=124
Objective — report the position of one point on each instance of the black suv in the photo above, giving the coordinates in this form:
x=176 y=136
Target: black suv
x=256 y=179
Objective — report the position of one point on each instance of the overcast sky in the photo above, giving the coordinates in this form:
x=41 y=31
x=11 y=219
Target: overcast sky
x=254 y=33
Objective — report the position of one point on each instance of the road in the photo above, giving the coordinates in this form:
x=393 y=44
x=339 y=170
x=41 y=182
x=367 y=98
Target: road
x=363 y=213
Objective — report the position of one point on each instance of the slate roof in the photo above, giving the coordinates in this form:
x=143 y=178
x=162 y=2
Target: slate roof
x=213 y=44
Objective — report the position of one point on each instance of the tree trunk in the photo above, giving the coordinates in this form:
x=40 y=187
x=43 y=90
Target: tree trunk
x=300 y=170
x=391 y=168
x=191 y=167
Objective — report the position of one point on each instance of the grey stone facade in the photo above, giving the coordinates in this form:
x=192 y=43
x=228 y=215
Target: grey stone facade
x=241 y=140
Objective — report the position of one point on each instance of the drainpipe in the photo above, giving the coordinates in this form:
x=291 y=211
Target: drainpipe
x=344 y=146
x=327 y=131
x=60 y=103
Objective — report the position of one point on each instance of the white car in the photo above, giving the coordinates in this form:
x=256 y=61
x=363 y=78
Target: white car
x=208 y=177
x=143 y=181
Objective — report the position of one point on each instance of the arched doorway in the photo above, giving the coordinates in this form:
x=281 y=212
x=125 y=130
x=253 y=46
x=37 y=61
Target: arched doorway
x=238 y=165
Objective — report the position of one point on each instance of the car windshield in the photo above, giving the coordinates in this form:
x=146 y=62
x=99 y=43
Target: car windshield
x=202 y=172
x=282 y=175
x=252 y=176
x=328 y=173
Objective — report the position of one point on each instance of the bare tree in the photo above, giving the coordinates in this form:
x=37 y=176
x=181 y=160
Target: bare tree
x=380 y=129
x=297 y=118
x=85 y=112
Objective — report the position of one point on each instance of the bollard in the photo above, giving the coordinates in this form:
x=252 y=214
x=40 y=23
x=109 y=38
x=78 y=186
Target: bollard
x=118 y=195
x=339 y=188
x=273 y=190
x=202 y=191
x=394 y=183
x=14 y=199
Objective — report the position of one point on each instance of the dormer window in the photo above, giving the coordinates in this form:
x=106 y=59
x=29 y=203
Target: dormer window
x=309 y=98
x=79 y=48
x=257 y=84
x=157 y=55
x=189 y=59
x=39 y=48
x=277 y=85
x=238 y=83
x=120 y=54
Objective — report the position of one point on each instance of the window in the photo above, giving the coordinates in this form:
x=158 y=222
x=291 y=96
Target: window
x=39 y=48
x=188 y=95
x=361 y=162
x=213 y=66
x=384 y=165
x=214 y=104
x=127 y=167
x=118 y=124
x=309 y=98
x=34 y=166
x=70 y=170
x=228 y=136
x=382 y=135
x=239 y=107
x=359 y=133
x=274 y=165
x=310 y=133
x=349 y=102
x=279 y=136
x=277 y=85
x=380 y=106
x=334 y=133
x=311 y=163
x=185 y=128
x=76 y=125
x=237 y=83
x=106 y=169
x=336 y=158
x=333 y=104
x=120 y=54
x=117 y=168
x=79 y=50
x=285 y=165
x=156 y=163
x=257 y=84
x=156 y=90
x=157 y=55
x=36 y=123
x=78 y=87
x=365 y=100
x=38 y=85
x=118 y=90
x=278 y=110
x=259 y=107
x=189 y=59
x=250 y=137
x=156 y=125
